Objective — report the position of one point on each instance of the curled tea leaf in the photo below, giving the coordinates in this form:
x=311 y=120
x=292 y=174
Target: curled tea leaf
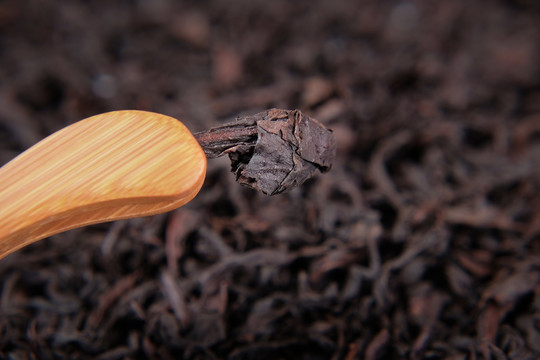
x=272 y=151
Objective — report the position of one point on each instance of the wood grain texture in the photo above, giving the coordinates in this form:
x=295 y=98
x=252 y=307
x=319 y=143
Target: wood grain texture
x=111 y=166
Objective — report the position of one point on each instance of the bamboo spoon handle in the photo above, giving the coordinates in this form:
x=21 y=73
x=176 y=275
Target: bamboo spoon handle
x=111 y=166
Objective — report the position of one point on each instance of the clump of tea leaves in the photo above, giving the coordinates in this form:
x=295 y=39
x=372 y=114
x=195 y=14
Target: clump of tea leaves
x=272 y=151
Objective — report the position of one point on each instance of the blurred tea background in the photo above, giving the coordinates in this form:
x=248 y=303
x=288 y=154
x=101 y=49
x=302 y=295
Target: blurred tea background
x=421 y=243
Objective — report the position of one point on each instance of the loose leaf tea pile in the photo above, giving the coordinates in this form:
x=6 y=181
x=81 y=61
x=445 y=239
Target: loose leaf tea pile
x=272 y=151
x=422 y=242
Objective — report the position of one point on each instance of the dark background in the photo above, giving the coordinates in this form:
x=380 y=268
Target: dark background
x=423 y=241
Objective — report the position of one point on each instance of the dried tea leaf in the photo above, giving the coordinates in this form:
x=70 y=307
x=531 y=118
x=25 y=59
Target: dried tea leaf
x=272 y=151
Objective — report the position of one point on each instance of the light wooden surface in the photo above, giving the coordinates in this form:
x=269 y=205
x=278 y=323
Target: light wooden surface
x=111 y=166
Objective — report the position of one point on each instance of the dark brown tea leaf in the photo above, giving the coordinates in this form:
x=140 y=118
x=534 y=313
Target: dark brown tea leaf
x=272 y=151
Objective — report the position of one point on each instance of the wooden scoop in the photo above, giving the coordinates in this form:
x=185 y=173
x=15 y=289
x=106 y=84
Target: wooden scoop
x=111 y=166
